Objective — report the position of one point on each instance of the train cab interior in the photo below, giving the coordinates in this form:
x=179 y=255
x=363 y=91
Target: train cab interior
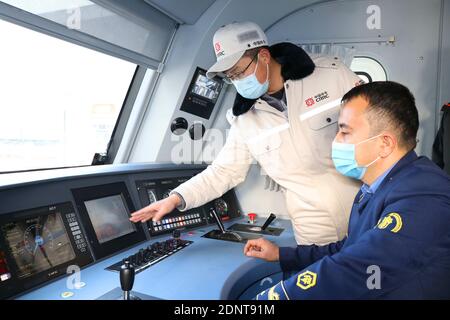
x=107 y=107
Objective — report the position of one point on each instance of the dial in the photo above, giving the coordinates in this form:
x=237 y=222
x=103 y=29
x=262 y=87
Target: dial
x=167 y=193
x=36 y=237
x=151 y=195
x=221 y=207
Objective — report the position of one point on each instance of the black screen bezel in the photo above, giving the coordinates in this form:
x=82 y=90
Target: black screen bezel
x=101 y=191
x=15 y=286
x=188 y=105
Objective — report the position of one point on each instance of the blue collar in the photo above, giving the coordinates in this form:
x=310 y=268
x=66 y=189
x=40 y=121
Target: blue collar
x=365 y=188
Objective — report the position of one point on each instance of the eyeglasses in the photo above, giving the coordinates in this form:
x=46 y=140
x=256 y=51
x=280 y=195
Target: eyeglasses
x=239 y=75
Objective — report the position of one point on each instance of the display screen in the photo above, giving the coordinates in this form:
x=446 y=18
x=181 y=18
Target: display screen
x=151 y=195
x=202 y=95
x=206 y=88
x=4 y=270
x=109 y=217
x=36 y=244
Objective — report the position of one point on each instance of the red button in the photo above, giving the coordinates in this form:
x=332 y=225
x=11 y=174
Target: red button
x=252 y=216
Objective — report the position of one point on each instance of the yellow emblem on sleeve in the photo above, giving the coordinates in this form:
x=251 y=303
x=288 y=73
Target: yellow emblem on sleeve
x=272 y=295
x=392 y=219
x=306 y=280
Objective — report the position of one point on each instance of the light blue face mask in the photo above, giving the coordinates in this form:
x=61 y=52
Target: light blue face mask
x=344 y=159
x=250 y=87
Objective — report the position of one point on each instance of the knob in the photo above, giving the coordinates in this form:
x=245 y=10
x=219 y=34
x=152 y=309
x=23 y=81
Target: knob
x=196 y=131
x=268 y=221
x=147 y=255
x=179 y=126
x=132 y=259
x=219 y=223
x=154 y=248
x=140 y=257
x=127 y=274
x=252 y=217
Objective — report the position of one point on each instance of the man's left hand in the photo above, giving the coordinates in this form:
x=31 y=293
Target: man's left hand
x=263 y=249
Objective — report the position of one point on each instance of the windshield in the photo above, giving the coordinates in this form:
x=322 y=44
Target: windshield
x=59 y=102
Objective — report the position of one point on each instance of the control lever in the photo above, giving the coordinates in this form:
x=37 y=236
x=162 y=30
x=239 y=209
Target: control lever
x=127 y=274
x=266 y=224
x=176 y=237
x=268 y=221
x=176 y=234
x=218 y=221
x=224 y=233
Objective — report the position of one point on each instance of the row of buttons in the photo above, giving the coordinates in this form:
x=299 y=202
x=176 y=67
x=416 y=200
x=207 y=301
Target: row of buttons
x=176 y=224
x=176 y=219
x=71 y=219
x=76 y=232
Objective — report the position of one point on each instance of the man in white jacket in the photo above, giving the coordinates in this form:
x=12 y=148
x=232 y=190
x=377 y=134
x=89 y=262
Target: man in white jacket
x=284 y=117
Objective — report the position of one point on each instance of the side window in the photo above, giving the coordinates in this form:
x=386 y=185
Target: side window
x=59 y=102
x=368 y=69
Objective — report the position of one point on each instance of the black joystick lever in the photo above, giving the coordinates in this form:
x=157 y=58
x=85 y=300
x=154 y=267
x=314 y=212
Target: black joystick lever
x=127 y=274
x=213 y=212
x=268 y=221
x=176 y=237
x=176 y=234
x=226 y=235
x=266 y=224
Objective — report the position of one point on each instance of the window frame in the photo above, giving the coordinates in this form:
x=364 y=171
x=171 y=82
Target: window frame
x=53 y=29
x=122 y=118
x=124 y=115
x=129 y=103
x=37 y=23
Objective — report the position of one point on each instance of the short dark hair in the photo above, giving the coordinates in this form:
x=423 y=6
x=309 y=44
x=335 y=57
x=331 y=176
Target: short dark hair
x=391 y=105
x=252 y=52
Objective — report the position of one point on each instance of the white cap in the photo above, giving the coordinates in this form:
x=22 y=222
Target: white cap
x=231 y=41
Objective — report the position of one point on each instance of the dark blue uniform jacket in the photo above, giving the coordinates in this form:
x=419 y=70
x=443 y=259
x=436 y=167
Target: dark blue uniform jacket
x=398 y=244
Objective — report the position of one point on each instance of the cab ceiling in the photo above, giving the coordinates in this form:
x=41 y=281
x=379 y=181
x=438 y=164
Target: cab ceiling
x=189 y=11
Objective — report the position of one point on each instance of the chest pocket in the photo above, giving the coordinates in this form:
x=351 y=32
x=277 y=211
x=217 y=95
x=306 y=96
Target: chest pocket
x=266 y=150
x=324 y=119
x=321 y=130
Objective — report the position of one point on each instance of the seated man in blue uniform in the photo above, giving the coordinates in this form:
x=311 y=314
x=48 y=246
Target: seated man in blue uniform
x=398 y=243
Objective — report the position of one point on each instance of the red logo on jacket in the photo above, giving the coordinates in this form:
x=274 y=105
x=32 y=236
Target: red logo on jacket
x=309 y=102
x=217 y=46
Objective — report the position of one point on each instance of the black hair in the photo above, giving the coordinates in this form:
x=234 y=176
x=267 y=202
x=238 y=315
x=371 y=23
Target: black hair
x=392 y=105
x=254 y=51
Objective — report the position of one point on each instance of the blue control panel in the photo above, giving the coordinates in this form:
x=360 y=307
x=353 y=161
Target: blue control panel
x=70 y=238
x=206 y=269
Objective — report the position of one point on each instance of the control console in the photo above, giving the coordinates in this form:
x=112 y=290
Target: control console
x=153 y=254
x=39 y=244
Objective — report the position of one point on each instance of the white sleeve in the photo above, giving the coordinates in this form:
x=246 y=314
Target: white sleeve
x=229 y=168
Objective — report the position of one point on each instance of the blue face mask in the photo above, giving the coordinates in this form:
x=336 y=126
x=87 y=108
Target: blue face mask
x=344 y=159
x=250 y=87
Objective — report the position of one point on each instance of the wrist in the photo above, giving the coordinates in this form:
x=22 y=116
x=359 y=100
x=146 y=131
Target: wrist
x=175 y=199
x=277 y=253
